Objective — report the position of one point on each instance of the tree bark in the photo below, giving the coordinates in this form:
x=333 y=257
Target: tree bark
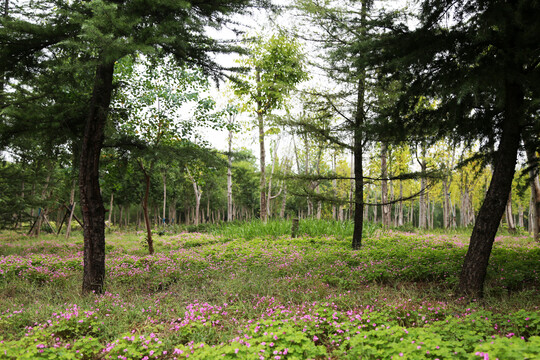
x=111 y=208
x=473 y=273
x=263 y=213
x=93 y=211
x=149 y=240
x=198 y=195
x=229 y=180
x=164 y=176
x=535 y=193
x=385 y=207
x=509 y=215
x=422 y=209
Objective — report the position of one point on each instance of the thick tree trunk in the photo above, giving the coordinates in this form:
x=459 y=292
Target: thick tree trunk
x=474 y=269
x=93 y=211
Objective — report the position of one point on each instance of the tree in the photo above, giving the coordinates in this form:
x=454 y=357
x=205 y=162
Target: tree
x=150 y=103
x=480 y=67
x=100 y=33
x=276 y=65
x=344 y=29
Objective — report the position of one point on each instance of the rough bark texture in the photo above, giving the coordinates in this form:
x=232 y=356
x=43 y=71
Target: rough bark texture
x=149 y=240
x=93 y=211
x=474 y=269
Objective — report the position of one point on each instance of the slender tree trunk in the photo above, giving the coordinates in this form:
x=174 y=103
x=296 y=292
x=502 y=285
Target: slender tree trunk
x=474 y=269
x=111 y=208
x=358 y=154
x=120 y=216
x=229 y=179
x=422 y=211
x=445 y=204
x=127 y=215
x=385 y=216
x=535 y=193
x=509 y=215
x=375 y=210
x=164 y=177
x=93 y=211
x=198 y=195
x=149 y=240
x=207 y=208
x=352 y=188
x=264 y=215
x=400 y=218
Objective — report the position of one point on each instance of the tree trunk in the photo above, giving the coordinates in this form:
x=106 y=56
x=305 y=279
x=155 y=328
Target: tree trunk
x=535 y=193
x=385 y=216
x=400 y=217
x=509 y=215
x=149 y=240
x=422 y=211
x=111 y=208
x=93 y=211
x=198 y=194
x=358 y=149
x=474 y=269
x=229 y=179
x=351 y=192
x=264 y=215
x=164 y=176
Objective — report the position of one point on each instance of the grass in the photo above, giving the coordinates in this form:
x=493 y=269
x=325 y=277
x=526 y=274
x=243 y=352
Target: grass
x=236 y=288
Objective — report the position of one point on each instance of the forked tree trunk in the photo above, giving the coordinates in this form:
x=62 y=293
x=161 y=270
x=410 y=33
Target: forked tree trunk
x=473 y=273
x=93 y=211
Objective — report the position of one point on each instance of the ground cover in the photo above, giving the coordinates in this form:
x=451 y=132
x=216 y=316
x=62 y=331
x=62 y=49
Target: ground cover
x=211 y=295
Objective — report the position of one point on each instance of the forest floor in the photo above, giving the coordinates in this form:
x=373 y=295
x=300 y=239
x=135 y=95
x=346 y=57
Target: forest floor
x=208 y=296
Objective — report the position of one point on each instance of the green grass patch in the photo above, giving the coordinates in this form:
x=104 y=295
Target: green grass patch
x=251 y=291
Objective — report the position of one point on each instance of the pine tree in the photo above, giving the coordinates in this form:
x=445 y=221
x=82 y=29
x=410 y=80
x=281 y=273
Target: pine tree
x=479 y=61
x=97 y=34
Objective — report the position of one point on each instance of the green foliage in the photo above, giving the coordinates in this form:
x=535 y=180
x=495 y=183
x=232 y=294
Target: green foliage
x=277 y=65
